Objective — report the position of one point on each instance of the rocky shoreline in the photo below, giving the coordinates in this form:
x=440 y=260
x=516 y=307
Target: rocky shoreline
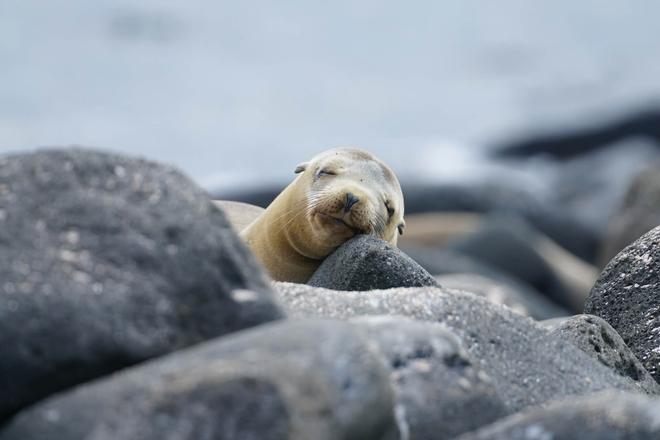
x=130 y=309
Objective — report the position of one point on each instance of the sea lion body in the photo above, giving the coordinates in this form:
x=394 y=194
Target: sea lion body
x=338 y=194
x=239 y=214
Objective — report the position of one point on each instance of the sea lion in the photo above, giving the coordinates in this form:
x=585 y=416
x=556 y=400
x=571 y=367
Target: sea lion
x=239 y=214
x=338 y=194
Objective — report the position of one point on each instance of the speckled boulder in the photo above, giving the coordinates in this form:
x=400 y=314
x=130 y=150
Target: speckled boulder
x=627 y=296
x=290 y=380
x=599 y=340
x=528 y=367
x=603 y=416
x=366 y=263
x=106 y=261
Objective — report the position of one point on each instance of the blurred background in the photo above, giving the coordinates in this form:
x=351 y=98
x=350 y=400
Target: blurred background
x=547 y=109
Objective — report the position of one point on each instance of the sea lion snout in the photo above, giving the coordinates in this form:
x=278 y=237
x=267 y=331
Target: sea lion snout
x=350 y=201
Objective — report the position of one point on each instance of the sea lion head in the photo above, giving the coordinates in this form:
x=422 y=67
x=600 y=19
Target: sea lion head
x=341 y=193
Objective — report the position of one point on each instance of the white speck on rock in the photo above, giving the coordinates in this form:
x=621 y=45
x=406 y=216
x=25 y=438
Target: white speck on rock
x=421 y=366
x=243 y=295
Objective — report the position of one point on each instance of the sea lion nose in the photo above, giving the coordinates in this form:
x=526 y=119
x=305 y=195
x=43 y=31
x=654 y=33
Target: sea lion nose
x=350 y=201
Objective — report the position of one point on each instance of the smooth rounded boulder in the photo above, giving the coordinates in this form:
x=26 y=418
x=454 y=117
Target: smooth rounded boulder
x=291 y=380
x=627 y=296
x=366 y=263
x=106 y=261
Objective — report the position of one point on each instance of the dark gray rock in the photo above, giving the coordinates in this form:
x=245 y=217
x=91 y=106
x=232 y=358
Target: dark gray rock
x=566 y=144
x=599 y=340
x=507 y=243
x=627 y=296
x=366 y=263
x=528 y=366
x=291 y=380
x=526 y=302
x=106 y=261
x=440 y=392
x=603 y=416
x=492 y=196
x=442 y=262
x=639 y=213
x=592 y=186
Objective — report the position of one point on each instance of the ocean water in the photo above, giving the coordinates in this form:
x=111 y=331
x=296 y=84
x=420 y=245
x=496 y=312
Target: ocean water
x=237 y=93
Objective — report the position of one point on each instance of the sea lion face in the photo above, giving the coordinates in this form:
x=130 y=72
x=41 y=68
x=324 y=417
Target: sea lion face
x=350 y=192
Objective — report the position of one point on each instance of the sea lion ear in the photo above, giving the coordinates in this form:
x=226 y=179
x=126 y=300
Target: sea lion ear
x=401 y=227
x=300 y=168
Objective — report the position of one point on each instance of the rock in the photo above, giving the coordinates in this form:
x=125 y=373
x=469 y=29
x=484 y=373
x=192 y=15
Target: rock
x=639 y=213
x=627 y=296
x=441 y=261
x=567 y=144
x=494 y=240
x=527 y=303
x=290 y=380
x=602 y=416
x=440 y=392
x=591 y=187
x=509 y=245
x=528 y=366
x=493 y=197
x=106 y=261
x=599 y=340
x=437 y=229
x=366 y=263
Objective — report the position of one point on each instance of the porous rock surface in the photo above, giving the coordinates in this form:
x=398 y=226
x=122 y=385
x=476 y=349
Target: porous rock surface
x=365 y=263
x=598 y=339
x=602 y=416
x=528 y=366
x=106 y=261
x=627 y=296
x=439 y=391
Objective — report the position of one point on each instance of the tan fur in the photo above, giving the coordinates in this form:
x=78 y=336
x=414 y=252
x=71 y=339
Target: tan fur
x=239 y=214
x=306 y=222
